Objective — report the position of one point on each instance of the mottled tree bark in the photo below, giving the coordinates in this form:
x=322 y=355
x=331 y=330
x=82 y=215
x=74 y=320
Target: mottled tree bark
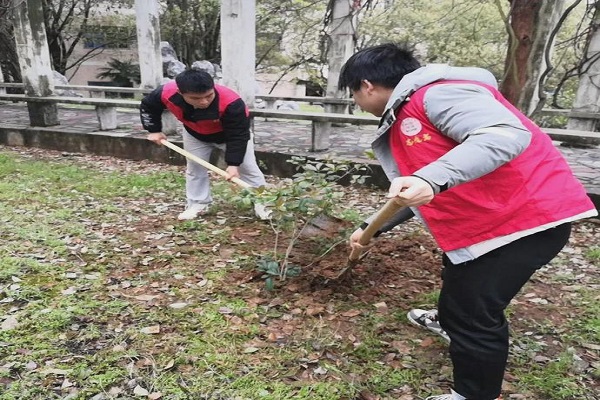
x=530 y=25
x=34 y=58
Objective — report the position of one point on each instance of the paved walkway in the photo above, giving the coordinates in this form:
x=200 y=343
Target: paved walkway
x=348 y=142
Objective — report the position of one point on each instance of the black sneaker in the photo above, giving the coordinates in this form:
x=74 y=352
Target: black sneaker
x=427 y=319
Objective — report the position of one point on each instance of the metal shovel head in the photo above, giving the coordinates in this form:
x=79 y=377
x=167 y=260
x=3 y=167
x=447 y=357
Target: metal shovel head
x=392 y=206
x=349 y=266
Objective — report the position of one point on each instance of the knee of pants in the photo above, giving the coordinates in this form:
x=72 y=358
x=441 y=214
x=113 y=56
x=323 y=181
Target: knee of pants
x=196 y=171
x=480 y=335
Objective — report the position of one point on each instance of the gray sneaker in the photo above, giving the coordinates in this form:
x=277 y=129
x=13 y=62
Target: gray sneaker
x=427 y=319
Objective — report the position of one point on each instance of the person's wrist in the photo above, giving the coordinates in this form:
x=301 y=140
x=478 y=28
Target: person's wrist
x=435 y=187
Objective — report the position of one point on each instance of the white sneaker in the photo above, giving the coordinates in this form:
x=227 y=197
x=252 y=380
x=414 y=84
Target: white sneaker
x=440 y=397
x=427 y=319
x=191 y=212
x=262 y=212
x=452 y=396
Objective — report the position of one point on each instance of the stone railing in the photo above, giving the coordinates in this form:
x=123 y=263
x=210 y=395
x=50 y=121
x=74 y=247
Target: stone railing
x=106 y=110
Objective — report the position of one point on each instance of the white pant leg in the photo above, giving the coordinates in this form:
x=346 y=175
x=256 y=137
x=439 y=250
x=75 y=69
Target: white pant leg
x=197 y=184
x=249 y=171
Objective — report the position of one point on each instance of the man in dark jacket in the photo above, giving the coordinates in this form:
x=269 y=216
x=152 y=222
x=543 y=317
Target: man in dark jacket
x=214 y=117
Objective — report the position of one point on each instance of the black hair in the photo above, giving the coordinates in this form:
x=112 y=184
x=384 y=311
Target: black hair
x=384 y=65
x=194 y=81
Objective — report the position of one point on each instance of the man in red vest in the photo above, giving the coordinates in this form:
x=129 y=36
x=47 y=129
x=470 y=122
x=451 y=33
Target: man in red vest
x=214 y=117
x=489 y=185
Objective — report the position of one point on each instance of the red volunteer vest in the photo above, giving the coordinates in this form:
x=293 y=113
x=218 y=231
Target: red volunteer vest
x=535 y=188
x=225 y=97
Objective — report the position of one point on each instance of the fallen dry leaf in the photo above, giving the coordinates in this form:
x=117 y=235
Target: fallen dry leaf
x=140 y=391
x=9 y=323
x=151 y=329
x=351 y=313
x=381 y=307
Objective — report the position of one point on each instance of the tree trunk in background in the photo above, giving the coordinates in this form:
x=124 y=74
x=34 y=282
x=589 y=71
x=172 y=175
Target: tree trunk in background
x=531 y=22
x=8 y=50
x=34 y=58
x=588 y=93
x=193 y=29
x=8 y=54
x=549 y=15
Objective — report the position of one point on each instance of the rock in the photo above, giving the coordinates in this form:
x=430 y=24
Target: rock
x=287 y=105
x=174 y=68
x=171 y=64
x=59 y=79
x=167 y=52
x=205 y=66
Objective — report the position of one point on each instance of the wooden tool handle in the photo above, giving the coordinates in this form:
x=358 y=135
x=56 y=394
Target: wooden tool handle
x=390 y=208
x=205 y=164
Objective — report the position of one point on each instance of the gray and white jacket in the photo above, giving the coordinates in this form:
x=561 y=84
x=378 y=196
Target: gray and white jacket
x=489 y=135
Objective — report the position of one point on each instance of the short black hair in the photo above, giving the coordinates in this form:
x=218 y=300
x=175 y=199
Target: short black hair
x=194 y=81
x=385 y=65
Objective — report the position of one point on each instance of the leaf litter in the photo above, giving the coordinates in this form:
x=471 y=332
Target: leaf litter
x=152 y=259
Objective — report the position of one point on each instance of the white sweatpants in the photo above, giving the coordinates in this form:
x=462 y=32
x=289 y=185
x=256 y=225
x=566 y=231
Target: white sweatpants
x=197 y=185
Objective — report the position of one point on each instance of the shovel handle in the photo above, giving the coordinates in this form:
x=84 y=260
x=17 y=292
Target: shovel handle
x=390 y=208
x=205 y=164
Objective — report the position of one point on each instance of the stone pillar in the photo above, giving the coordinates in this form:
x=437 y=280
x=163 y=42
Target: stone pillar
x=34 y=60
x=320 y=136
x=2 y=90
x=238 y=47
x=340 y=46
x=148 y=37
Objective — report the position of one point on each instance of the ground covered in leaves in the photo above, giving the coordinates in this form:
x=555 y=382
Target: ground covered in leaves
x=105 y=295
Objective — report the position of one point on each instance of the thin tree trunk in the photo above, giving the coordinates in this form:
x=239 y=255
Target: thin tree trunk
x=9 y=60
x=530 y=25
x=548 y=18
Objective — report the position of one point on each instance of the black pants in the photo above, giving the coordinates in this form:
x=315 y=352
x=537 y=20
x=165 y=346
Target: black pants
x=472 y=302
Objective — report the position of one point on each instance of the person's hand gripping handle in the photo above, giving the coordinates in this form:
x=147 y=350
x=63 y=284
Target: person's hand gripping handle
x=230 y=175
